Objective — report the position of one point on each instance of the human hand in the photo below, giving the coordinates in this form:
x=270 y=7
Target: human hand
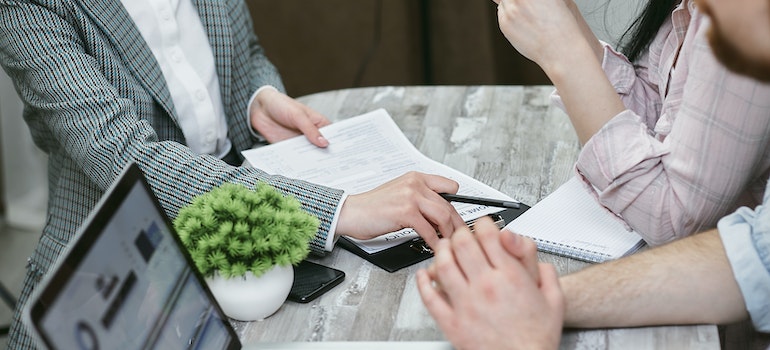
x=541 y=30
x=278 y=117
x=483 y=297
x=411 y=200
x=519 y=247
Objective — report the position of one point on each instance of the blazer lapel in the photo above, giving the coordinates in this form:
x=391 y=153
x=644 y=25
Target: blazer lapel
x=214 y=16
x=117 y=24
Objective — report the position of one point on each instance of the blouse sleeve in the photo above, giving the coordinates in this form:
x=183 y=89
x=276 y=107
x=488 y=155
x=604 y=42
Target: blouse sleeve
x=632 y=83
x=670 y=186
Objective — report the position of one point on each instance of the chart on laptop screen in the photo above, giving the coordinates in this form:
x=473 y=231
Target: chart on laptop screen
x=133 y=288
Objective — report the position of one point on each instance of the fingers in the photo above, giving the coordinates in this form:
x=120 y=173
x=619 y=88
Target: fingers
x=431 y=271
x=318 y=119
x=524 y=249
x=448 y=272
x=436 y=304
x=439 y=184
x=435 y=212
x=440 y=215
x=492 y=248
x=309 y=123
x=426 y=231
x=278 y=117
x=407 y=201
x=490 y=237
x=550 y=286
x=470 y=256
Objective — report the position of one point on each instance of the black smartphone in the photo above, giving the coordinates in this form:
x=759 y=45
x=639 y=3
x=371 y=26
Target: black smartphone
x=311 y=280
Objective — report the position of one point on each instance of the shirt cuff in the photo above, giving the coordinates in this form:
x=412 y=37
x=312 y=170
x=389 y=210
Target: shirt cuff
x=619 y=147
x=253 y=99
x=749 y=271
x=331 y=238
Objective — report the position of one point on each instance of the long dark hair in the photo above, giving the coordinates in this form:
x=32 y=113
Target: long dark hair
x=643 y=29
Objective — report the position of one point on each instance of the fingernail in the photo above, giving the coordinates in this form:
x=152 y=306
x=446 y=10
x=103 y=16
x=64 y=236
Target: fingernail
x=322 y=140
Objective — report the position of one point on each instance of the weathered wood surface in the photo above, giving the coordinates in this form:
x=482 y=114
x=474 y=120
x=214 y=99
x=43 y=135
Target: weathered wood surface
x=509 y=137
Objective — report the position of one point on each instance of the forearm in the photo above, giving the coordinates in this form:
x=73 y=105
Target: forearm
x=649 y=182
x=589 y=98
x=555 y=36
x=585 y=29
x=686 y=282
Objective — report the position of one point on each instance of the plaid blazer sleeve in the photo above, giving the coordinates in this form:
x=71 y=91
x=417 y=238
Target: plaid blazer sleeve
x=90 y=105
x=95 y=100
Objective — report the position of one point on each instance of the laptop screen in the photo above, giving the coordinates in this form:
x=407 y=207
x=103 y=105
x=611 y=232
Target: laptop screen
x=126 y=283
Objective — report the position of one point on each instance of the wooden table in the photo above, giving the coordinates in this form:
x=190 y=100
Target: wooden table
x=509 y=137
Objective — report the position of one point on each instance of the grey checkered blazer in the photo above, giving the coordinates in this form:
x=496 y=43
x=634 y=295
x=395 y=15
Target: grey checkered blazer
x=95 y=99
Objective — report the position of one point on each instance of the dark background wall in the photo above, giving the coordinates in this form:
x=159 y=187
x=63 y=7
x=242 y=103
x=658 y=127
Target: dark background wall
x=321 y=45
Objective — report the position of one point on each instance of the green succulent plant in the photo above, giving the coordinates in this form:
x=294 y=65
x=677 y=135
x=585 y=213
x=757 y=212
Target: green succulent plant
x=234 y=230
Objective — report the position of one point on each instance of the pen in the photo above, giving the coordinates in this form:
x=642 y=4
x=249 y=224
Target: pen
x=480 y=201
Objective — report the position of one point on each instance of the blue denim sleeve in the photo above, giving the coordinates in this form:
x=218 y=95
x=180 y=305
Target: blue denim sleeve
x=746 y=238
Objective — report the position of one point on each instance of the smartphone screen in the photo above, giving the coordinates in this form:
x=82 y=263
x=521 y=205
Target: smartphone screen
x=311 y=280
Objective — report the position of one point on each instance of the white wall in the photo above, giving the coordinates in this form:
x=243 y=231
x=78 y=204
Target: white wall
x=25 y=187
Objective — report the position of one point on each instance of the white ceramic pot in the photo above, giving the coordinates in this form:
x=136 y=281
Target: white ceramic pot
x=250 y=298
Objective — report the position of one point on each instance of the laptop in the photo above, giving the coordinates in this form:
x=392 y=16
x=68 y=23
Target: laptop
x=127 y=283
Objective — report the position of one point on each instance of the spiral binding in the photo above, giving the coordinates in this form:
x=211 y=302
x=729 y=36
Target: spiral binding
x=570 y=251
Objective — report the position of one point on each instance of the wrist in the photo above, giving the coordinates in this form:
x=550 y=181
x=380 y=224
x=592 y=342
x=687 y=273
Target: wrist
x=572 y=318
x=263 y=90
x=563 y=66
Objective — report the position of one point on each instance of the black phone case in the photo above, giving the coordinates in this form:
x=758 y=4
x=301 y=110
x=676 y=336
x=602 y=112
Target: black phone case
x=312 y=280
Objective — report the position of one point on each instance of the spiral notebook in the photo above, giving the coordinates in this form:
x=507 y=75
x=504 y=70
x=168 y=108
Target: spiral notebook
x=570 y=222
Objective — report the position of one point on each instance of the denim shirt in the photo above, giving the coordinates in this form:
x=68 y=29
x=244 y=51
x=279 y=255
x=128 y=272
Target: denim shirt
x=746 y=237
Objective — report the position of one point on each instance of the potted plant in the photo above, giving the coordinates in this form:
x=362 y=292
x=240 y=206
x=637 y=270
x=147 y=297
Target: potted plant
x=244 y=242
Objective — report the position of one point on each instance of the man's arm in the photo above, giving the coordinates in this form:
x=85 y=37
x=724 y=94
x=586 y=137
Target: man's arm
x=689 y=281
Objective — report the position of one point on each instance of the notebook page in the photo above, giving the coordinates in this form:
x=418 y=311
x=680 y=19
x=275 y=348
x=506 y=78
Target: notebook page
x=570 y=222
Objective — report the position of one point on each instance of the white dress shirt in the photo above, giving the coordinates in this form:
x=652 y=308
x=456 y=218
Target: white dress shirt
x=175 y=34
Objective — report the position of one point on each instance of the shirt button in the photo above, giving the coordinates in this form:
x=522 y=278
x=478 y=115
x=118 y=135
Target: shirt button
x=200 y=95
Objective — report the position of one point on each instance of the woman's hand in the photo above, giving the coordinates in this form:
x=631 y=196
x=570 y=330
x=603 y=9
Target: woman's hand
x=278 y=117
x=411 y=200
x=544 y=31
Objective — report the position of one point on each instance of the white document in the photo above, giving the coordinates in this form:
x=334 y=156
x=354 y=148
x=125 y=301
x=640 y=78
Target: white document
x=363 y=153
x=570 y=222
